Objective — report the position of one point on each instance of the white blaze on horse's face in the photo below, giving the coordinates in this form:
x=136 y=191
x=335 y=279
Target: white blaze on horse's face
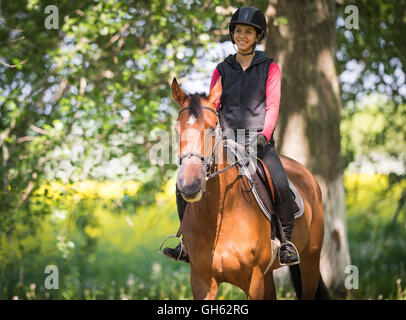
x=191 y=175
x=191 y=120
x=192 y=141
x=194 y=126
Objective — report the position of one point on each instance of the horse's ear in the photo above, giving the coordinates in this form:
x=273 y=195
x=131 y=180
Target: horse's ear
x=215 y=93
x=177 y=93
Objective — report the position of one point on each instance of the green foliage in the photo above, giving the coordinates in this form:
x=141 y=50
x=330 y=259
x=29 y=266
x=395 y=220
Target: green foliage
x=370 y=60
x=377 y=45
x=103 y=79
x=377 y=245
x=102 y=251
x=372 y=127
x=103 y=75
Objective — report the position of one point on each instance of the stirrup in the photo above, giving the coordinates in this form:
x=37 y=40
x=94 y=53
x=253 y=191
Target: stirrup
x=182 y=247
x=296 y=251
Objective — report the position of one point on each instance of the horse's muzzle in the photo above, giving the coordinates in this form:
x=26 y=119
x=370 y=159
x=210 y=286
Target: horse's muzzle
x=191 y=192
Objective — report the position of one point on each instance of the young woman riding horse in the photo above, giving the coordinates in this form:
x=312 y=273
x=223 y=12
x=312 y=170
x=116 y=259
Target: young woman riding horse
x=226 y=235
x=251 y=87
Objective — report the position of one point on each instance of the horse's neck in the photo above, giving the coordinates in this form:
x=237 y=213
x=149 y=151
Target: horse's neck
x=230 y=175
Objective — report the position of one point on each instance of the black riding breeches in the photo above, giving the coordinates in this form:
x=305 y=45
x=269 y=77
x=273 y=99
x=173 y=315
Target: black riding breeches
x=279 y=179
x=285 y=204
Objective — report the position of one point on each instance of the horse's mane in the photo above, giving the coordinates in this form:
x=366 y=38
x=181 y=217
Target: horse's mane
x=195 y=107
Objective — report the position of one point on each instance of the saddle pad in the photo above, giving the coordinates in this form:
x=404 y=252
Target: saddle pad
x=298 y=200
x=261 y=185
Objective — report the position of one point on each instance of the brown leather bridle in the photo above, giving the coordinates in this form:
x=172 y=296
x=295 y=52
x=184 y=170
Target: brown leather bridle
x=209 y=161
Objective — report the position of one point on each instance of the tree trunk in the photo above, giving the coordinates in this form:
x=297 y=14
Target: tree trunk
x=304 y=47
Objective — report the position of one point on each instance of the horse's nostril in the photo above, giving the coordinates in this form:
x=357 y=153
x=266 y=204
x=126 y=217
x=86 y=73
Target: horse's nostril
x=192 y=188
x=181 y=182
x=196 y=185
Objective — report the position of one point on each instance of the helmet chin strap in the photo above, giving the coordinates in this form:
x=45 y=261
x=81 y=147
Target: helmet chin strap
x=245 y=54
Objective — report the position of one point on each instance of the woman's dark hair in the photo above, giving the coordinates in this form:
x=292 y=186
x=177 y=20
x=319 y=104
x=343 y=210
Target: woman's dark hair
x=258 y=31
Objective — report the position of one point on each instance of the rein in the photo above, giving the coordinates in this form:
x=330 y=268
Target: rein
x=237 y=151
x=233 y=146
x=208 y=162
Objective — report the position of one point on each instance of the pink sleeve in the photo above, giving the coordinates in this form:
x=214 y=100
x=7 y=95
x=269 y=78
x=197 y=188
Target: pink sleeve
x=213 y=82
x=273 y=96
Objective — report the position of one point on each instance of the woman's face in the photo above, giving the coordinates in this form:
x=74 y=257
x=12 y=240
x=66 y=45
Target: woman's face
x=245 y=37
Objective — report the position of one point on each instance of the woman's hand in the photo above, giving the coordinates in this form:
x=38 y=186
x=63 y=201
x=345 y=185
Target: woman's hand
x=259 y=143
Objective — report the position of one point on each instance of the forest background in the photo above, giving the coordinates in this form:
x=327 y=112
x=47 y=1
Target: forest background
x=84 y=95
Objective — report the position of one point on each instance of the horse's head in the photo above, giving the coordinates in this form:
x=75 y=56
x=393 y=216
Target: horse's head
x=196 y=122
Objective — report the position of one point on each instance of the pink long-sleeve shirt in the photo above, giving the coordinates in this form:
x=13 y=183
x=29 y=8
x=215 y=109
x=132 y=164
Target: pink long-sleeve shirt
x=273 y=96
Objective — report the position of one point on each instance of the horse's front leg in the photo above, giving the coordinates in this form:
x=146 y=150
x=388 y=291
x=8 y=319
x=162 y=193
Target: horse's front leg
x=204 y=286
x=256 y=289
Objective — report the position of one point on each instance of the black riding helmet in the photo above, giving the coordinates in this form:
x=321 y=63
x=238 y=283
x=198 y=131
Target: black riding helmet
x=249 y=16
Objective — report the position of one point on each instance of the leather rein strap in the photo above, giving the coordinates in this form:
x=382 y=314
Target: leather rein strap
x=196 y=154
x=208 y=162
x=240 y=161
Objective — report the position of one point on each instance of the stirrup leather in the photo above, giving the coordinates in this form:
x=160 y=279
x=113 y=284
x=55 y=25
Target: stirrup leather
x=182 y=247
x=296 y=251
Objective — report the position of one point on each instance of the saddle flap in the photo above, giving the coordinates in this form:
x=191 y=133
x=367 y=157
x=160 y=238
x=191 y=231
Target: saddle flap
x=263 y=189
x=266 y=182
x=265 y=177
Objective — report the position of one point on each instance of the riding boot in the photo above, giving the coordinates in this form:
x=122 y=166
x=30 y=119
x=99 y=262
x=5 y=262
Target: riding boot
x=285 y=212
x=178 y=253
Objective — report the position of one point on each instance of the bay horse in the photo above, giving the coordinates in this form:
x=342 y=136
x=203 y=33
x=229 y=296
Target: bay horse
x=227 y=237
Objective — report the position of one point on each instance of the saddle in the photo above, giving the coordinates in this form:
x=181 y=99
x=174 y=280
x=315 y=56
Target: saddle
x=263 y=186
x=260 y=181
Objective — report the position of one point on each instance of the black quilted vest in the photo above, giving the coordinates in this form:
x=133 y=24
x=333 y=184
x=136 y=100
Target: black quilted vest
x=243 y=100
